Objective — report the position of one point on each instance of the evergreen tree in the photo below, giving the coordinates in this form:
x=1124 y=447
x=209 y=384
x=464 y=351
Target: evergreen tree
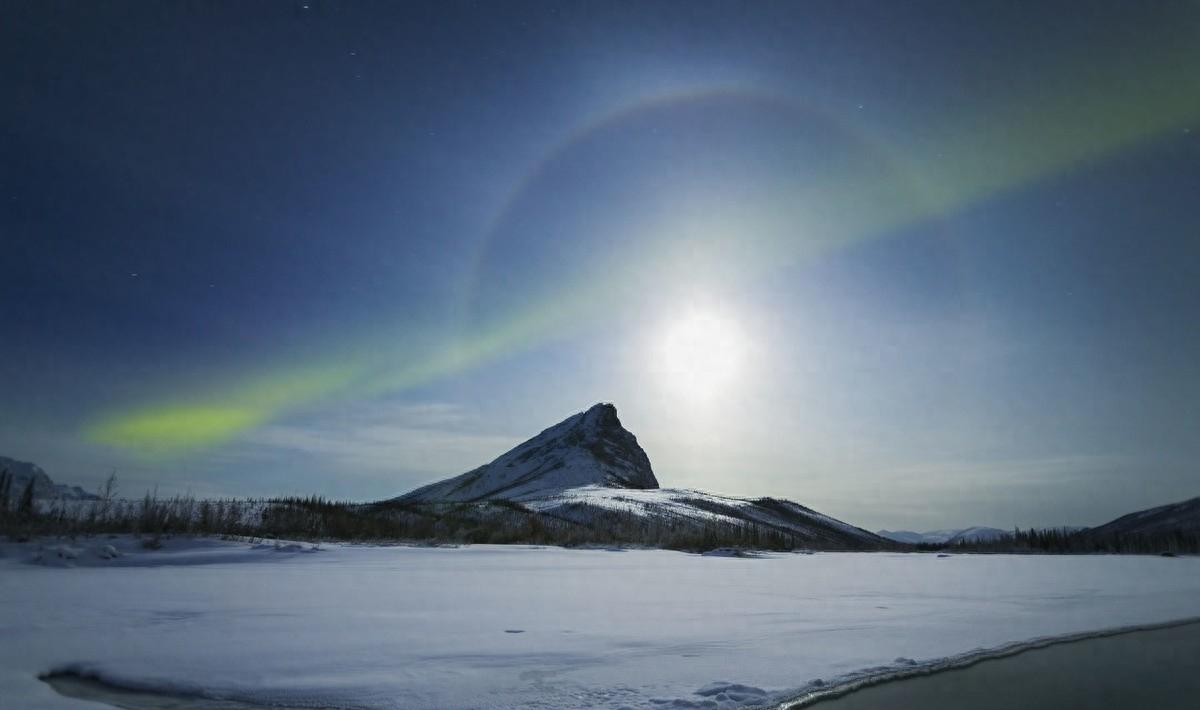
x=5 y=484
x=25 y=505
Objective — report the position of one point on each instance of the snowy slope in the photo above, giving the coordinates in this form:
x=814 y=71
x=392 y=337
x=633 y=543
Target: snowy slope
x=683 y=504
x=505 y=627
x=589 y=448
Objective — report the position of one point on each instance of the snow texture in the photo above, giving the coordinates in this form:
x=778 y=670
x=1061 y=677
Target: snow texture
x=412 y=627
x=691 y=504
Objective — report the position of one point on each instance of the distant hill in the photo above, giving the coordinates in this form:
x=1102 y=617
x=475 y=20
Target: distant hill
x=43 y=488
x=1167 y=529
x=944 y=537
x=1175 y=517
x=978 y=534
x=589 y=471
x=915 y=538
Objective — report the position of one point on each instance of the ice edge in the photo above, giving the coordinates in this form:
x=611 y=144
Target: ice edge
x=806 y=697
x=852 y=682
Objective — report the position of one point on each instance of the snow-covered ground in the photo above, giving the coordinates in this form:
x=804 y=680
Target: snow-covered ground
x=687 y=503
x=500 y=627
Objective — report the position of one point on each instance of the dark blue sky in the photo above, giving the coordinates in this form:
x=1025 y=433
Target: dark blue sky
x=917 y=265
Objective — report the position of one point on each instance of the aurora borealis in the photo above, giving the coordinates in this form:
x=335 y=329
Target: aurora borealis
x=305 y=247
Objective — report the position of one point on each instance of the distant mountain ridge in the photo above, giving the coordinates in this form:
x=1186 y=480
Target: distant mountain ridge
x=589 y=470
x=1183 y=516
x=43 y=487
x=1166 y=529
x=944 y=537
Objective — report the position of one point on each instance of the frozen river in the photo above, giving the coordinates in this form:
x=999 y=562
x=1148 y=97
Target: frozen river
x=1144 y=669
x=501 y=627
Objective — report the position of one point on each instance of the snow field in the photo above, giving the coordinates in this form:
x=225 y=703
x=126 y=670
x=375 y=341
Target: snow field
x=509 y=627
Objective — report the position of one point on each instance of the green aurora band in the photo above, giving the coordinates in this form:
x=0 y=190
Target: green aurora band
x=993 y=150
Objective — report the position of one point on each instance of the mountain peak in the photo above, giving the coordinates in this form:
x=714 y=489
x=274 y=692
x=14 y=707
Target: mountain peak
x=587 y=448
x=23 y=472
x=602 y=413
x=600 y=417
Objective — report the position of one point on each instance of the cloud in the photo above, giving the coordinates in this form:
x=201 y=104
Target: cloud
x=386 y=437
x=1027 y=471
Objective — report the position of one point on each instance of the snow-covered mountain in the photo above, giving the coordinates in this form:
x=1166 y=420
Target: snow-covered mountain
x=588 y=469
x=944 y=537
x=588 y=449
x=935 y=537
x=978 y=534
x=23 y=472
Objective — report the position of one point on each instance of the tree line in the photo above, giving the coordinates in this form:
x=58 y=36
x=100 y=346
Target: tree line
x=1086 y=541
x=314 y=518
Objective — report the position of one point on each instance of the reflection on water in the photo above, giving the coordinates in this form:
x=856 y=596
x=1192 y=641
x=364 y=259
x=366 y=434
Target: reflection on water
x=1144 y=669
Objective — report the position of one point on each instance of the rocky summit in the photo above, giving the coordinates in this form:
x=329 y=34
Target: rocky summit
x=590 y=448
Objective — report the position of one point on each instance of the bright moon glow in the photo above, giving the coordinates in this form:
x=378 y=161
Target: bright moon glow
x=700 y=355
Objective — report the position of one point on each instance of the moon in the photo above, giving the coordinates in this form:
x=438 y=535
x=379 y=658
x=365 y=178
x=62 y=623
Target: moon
x=700 y=355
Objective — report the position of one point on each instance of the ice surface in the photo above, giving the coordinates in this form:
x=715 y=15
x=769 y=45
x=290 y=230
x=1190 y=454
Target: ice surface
x=411 y=627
